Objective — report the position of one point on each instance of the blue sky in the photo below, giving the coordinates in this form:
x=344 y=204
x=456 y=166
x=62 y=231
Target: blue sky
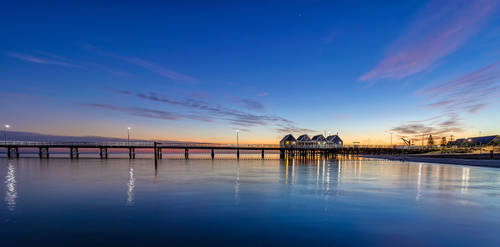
x=197 y=71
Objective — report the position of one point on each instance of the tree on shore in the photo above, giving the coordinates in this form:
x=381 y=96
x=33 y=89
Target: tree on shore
x=430 y=141
x=443 y=141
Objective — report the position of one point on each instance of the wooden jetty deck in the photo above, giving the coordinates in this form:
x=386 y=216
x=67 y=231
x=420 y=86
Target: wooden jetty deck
x=12 y=148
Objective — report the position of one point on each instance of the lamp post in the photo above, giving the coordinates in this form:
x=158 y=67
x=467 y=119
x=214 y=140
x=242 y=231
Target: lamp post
x=5 y=127
x=391 y=139
x=237 y=138
x=128 y=135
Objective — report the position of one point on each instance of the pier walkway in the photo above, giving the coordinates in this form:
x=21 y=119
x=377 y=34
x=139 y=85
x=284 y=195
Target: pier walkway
x=158 y=148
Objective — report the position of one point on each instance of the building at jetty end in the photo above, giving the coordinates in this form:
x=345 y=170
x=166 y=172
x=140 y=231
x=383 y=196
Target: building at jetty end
x=317 y=141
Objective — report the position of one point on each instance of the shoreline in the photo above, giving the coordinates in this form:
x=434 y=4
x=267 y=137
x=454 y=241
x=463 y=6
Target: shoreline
x=495 y=163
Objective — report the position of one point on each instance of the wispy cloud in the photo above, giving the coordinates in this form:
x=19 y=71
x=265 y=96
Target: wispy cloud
x=236 y=117
x=293 y=130
x=439 y=125
x=470 y=92
x=204 y=110
x=251 y=104
x=146 y=112
x=262 y=94
x=437 y=30
x=43 y=57
x=178 y=77
x=42 y=60
x=145 y=64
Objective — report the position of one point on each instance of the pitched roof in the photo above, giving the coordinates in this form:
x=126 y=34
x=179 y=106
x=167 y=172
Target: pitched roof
x=288 y=137
x=318 y=138
x=304 y=138
x=334 y=139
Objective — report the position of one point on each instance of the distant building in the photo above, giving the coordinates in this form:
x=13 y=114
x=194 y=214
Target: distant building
x=476 y=141
x=288 y=141
x=457 y=142
x=334 y=141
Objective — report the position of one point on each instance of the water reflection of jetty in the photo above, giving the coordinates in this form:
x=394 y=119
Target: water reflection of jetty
x=361 y=174
x=323 y=172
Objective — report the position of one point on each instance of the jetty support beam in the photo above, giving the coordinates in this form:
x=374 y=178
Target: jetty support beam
x=12 y=151
x=43 y=152
x=103 y=153
x=155 y=151
x=131 y=153
x=73 y=153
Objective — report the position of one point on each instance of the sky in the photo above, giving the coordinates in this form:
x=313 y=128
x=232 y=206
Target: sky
x=201 y=70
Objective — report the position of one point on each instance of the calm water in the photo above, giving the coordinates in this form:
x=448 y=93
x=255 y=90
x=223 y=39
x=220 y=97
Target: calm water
x=91 y=202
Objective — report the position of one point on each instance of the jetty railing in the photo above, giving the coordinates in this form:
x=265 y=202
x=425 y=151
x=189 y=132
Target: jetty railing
x=13 y=148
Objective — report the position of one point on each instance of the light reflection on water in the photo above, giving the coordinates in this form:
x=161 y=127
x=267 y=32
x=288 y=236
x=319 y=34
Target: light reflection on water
x=465 y=179
x=10 y=184
x=131 y=186
x=349 y=201
x=237 y=184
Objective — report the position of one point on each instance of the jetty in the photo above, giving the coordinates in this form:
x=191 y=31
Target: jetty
x=159 y=149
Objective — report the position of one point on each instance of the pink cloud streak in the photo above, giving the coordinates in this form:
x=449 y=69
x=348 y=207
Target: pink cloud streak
x=470 y=92
x=437 y=30
x=40 y=60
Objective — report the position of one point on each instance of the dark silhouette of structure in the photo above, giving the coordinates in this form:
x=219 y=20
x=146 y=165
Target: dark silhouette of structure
x=287 y=148
x=476 y=141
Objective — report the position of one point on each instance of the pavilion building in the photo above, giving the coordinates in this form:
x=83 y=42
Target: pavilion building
x=288 y=142
x=334 y=141
x=319 y=141
x=304 y=141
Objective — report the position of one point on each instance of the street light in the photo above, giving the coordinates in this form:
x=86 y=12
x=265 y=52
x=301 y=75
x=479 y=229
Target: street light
x=128 y=135
x=5 y=127
x=237 y=138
